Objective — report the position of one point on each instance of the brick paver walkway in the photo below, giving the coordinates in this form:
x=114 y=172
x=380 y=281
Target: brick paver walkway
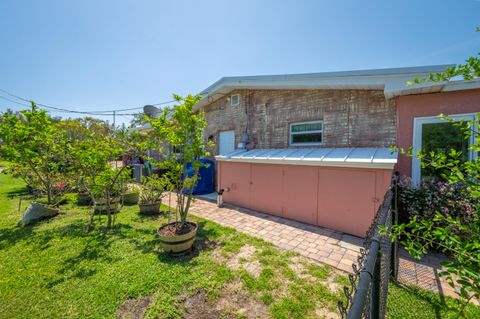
x=324 y=245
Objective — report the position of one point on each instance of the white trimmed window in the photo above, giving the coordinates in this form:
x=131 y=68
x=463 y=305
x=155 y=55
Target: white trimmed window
x=306 y=133
x=235 y=100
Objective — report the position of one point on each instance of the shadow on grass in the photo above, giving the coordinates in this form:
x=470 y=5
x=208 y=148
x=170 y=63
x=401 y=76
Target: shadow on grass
x=10 y=237
x=96 y=247
x=436 y=301
x=205 y=241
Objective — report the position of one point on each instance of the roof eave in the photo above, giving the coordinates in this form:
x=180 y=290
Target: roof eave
x=389 y=80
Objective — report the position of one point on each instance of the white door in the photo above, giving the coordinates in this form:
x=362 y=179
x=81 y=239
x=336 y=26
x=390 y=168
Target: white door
x=226 y=143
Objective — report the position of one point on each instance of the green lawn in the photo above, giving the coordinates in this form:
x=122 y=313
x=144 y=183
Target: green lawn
x=56 y=269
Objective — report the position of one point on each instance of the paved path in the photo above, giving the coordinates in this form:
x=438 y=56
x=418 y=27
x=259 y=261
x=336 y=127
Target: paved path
x=321 y=244
x=324 y=245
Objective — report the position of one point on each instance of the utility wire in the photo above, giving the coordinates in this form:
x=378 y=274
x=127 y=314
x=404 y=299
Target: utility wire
x=106 y=112
x=10 y=100
x=55 y=111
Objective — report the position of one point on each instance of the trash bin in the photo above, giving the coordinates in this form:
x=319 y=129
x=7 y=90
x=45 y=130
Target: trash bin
x=206 y=177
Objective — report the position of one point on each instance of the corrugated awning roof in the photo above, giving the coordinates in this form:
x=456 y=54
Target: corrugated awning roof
x=341 y=157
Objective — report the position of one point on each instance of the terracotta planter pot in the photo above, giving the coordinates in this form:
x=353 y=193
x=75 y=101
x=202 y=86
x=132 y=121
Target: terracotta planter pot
x=178 y=244
x=101 y=205
x=150 y=209
x=131 y=198
x=83 y=199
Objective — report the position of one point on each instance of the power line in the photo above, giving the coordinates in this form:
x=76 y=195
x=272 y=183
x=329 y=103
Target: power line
x=9 y=100
x=54 y=107
x=105 y=112
x=55 y=111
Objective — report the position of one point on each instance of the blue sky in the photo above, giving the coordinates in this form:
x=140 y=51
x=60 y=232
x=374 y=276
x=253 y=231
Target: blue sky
x=95 y=55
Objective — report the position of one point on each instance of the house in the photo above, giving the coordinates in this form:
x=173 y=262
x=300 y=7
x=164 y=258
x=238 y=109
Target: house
x=315 y=147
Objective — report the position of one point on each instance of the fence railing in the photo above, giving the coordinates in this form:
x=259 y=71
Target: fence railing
x=366 y=297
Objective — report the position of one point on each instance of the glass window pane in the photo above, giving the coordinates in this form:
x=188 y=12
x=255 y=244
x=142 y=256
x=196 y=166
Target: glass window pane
x=441 y=138
x=307 y=138
x=315 y=126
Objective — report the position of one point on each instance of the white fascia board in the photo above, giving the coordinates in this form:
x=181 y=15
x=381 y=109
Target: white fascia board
x=392 y=81
x=432 y=87
x=357 y=82
x=381 y=73
x=462 y=85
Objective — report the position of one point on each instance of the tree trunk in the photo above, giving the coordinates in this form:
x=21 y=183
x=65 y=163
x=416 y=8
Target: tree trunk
x=189 y=197
x=92 y=215
x=109 y=213
x=49 y=194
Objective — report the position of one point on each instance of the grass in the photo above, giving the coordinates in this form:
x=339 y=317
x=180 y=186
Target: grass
x=412 y=303
x=56 y=269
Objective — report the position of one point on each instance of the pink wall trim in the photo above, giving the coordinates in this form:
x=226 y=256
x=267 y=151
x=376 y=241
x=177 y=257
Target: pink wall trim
x=409 y=107
x=343 y=199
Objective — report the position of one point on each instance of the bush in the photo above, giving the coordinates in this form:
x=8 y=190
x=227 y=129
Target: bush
x=436 y=196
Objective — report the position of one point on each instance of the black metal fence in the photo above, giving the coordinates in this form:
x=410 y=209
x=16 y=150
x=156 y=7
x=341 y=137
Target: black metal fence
x=366 y=297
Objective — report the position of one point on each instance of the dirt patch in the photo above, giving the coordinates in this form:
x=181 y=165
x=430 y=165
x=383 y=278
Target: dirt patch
x=245 y=258
x=134 y=308
x=325 y=313
x=197 y=307
x=231 y=304
x=297 y=264
x=333 y=286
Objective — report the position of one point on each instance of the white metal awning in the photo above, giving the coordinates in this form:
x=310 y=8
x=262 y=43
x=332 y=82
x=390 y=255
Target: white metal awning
x=340 y=157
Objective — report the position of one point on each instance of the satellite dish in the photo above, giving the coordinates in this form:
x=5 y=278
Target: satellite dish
x=152 y=111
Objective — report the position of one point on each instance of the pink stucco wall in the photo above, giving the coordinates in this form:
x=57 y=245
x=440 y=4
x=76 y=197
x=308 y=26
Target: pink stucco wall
x=409 y=107
x=343 y=199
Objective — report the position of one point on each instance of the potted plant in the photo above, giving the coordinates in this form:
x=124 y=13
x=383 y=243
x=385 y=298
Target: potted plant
x=83 y=196
x=102 y=205
x=38 y=151
x=179 y=134
x=131 y=195
x=151 y=196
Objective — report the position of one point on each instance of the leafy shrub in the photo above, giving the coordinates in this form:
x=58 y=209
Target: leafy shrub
x=152 y=190
x=436 y=196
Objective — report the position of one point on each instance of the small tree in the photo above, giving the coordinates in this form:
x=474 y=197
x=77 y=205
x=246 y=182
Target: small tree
x=452 y=234
x=38 y=151
x=178 y=134
x=99 y=176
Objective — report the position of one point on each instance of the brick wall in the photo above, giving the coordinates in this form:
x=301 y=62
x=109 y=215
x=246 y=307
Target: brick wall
x=351 y=118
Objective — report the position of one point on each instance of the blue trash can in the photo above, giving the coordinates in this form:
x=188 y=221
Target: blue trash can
x=206 y=177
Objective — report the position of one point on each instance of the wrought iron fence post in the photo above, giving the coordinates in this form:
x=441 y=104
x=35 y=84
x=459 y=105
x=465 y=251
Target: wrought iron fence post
x=375 y=292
